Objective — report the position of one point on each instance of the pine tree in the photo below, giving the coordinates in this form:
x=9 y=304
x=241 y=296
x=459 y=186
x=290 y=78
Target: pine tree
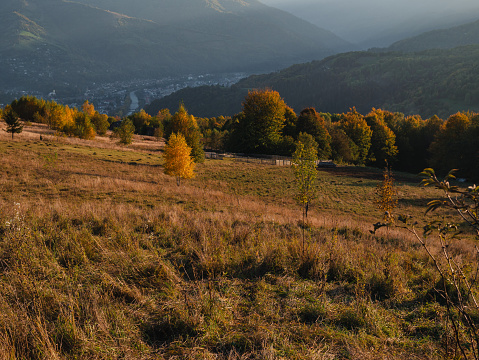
x=14 y=125
x=178 y=160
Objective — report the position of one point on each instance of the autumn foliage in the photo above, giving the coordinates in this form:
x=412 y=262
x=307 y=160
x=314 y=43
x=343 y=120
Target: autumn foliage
x=178 y=160
x=266 y=125
x=386 y=196
x=258 y=129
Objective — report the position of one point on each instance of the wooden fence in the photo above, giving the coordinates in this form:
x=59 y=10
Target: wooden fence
x=254 y=158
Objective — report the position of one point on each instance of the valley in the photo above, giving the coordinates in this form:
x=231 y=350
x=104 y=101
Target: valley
x=113 y=98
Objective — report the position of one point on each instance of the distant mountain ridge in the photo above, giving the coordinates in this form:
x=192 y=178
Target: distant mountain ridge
x=379 y=23
x=64 y=43
x=467 y=34
x=431 y=82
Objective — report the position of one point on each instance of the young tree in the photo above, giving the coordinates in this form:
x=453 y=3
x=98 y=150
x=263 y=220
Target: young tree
x=178 y=160
x=125 y=132
x=83 y=127
x=14 y=125
x=305 y=173
x=457 y=286
x=158 y=133
x=181 y=122
x=386 y=194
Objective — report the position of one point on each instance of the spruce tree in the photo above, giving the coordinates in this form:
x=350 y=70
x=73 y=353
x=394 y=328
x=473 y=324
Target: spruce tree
x=14 y=125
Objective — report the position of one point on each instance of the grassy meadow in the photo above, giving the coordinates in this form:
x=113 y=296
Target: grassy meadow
x=102 y=256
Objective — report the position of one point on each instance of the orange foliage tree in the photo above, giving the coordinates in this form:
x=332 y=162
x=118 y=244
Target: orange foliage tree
x=88 y=108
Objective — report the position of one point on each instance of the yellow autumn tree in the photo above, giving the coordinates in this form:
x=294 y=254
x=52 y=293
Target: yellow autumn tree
x=178 y=160
x=386 y=196
x=88 y=108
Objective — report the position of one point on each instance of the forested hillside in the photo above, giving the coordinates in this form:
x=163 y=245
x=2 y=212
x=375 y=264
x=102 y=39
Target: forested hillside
x=57 y=44
x=426 y=83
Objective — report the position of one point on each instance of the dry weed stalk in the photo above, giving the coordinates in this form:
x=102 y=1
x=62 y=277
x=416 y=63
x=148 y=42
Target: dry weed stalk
x=458 y=284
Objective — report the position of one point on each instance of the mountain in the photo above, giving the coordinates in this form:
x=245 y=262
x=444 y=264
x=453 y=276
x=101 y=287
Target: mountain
x=379 y=23
x=59 y=43
x=431 y=82
x=466 y=34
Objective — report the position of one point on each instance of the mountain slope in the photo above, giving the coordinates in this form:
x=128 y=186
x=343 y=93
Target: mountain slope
x=467 y=34
x=431 y=82
x=379 y=23
x=53 y=42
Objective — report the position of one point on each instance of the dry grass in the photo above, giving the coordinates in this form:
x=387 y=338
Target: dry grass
x=102 y=256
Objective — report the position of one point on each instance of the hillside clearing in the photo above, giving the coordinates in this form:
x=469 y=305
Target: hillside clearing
x=102 y=256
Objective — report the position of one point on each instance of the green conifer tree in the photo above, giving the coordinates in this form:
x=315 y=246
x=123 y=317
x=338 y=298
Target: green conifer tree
x=14 y=126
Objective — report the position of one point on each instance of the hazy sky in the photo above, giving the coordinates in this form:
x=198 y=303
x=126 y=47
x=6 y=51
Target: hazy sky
x=402 y=5
x=361 y=20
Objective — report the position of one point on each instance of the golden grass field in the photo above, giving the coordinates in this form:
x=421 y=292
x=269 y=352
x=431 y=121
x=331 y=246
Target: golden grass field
x=102 y=256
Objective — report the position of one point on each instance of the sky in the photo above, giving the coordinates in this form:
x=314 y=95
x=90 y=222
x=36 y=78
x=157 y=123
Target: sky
x=366 y=22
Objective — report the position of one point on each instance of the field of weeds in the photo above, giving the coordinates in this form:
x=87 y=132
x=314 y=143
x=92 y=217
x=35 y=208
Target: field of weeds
x=102 y=256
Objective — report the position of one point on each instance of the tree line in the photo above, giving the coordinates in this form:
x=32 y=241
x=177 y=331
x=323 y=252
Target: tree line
x=86 y=122
x=267 y=125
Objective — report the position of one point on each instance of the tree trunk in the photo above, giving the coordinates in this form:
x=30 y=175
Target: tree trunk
x=304 y=225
